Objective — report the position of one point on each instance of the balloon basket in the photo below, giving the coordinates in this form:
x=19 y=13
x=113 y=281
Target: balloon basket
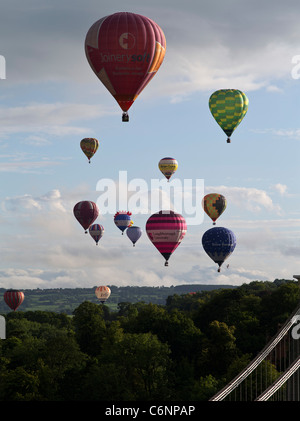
x=125 y=117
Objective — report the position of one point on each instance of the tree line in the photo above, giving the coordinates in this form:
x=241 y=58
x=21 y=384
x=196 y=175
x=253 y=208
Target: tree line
x=184 y=350
x=65 y=300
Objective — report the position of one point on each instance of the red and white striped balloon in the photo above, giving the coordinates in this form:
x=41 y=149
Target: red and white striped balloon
x=102 y=293
x=14 y=298
x=166 y=229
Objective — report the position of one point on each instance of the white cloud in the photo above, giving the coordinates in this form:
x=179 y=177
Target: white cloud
x=48 y=119
x=26 y=167
x=35 y=140
x=281 y=188
x=209 y=44
x=291 y=133
x=51 y=201
x=212 y=44
x=274 y=88
x=249 y=198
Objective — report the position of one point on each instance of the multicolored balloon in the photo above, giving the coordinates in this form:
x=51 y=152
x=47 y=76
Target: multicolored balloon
x=102 y=293
x=219 y=243
x=89 y=147
x=122 y=219
x=228 y=107
x=86 y=212
x=166 y=229
x=13 y=298
x=125 y=50
x=214 y=205
x=134 y=233
x=168 y=167
x=96 y=232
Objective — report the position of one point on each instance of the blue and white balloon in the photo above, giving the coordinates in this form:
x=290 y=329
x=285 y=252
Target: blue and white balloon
x=219 y=243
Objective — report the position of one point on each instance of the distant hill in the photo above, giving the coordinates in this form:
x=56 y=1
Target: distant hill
x=65 y=300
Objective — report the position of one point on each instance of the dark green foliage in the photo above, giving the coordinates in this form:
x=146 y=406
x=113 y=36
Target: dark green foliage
x=186 y=349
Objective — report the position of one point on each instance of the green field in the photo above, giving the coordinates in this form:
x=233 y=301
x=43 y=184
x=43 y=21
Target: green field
x=65 y=300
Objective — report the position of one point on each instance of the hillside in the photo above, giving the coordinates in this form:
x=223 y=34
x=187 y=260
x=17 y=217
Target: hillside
x=65 y=300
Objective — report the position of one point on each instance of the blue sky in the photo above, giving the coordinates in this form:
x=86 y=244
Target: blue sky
x=51 y=99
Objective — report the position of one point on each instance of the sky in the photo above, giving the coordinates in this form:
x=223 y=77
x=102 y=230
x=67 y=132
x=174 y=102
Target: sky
x=50 y=99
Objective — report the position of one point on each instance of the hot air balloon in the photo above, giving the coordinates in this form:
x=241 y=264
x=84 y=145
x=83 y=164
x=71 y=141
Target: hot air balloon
x=13 y=298
x=102 y=293
x=86 y=213
x=228 y=107
x=166 y=230
x=96 y=232
x=122 y=220
x=89 y=147
x=125 y=50
x=133 y=233
x=214 y=205
x=168 y=167
x=219 y=243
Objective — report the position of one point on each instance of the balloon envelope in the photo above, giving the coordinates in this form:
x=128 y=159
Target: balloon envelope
x=219 y=243
x=228 y=107
x=122 y=220
x=102 y=293
x=96 y=232
x=89 y=147
x=168 y=167
x=13 y=298
x=133 y=233
x=166 y=229
x=86 y=212
x=214 y=205
x=125 y=50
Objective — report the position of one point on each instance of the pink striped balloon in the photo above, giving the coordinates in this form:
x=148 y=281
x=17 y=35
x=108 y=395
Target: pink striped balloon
x=13 y=298
x=166 y=230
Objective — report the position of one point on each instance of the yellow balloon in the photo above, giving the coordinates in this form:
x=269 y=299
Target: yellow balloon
x=168 y=167
x=89 y=146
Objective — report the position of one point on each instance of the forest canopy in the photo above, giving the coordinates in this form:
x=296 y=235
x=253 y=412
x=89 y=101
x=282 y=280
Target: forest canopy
x=185 y=349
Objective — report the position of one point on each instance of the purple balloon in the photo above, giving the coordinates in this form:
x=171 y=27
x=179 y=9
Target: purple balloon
x=134 y=233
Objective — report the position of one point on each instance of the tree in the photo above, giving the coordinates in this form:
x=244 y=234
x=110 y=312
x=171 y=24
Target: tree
x=19 y=385
x=221 y=348
x=61 y=365
x=136 y=368
x=278 y=306
x=89 y=327
x=145 y=361
x=204 y=388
